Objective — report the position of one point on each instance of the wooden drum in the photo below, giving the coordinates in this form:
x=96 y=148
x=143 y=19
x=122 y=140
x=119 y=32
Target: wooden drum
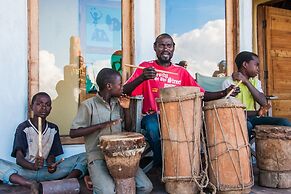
x=181 y=123
x=230 y=167
x=273 y=150
x=122 y=152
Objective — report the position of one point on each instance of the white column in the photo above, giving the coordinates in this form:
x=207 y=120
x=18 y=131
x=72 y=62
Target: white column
x=144 y=27
x=246 y=25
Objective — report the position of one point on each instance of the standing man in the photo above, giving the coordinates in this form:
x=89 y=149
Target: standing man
x=147 y=82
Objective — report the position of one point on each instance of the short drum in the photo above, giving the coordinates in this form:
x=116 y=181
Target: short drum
x=122 y=152
x=273 y=150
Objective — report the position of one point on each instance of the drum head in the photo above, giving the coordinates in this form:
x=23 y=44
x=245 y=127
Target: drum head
x=124 y=136
x=223 y=103
x=273 y=131
x=125 y=143
x=179 y=93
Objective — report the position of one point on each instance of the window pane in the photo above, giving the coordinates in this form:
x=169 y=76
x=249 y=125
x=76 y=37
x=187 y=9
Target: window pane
x=198 y=28
x=95 y=26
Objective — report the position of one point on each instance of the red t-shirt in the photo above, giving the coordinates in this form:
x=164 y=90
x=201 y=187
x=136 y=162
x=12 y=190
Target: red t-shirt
x=150 y=88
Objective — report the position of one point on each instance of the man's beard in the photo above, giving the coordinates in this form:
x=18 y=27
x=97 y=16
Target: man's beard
x=161 y=60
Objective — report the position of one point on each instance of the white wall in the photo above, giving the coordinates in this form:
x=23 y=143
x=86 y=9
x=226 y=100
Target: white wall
x=245 y=18
x=144 y=21
x=13 y=65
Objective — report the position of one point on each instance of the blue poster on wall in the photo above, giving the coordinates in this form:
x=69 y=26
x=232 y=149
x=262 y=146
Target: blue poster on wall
x=100 y=31
x=103 y=27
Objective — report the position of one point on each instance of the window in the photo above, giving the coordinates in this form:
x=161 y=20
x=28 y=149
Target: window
x=62 y=32
x=199 y=30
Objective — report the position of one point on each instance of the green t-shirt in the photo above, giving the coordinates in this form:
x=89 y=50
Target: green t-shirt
x=245 y=95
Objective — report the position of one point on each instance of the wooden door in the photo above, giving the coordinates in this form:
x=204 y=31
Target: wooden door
x=274 y=31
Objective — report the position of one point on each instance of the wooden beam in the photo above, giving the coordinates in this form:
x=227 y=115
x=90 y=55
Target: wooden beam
x=33 y=41
x=231 y=33
x=67 y=140
x=127 y=37
x=261 y=44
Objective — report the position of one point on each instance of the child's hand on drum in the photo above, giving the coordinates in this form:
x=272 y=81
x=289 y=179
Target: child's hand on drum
x=124 y=101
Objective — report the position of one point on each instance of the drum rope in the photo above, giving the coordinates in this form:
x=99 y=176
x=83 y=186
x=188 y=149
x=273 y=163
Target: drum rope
x=167 y=124
x=204 y=180
x=188 y=142
x=247 y=144
x=239 y=162
x=211 y=185
x=224 y=138
x=216 y=161
x=203 y=177
x=207 y=155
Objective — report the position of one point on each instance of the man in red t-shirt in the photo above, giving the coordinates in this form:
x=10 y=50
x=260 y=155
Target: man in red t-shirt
x=147 y=82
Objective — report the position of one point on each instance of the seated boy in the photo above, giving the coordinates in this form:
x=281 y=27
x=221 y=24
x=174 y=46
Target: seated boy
x=102 y=115
x=251 y=90
x=30 y=168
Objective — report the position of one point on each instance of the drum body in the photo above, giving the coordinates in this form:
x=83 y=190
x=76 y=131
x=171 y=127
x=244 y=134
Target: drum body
x=122 y=152
x=228 y=147
x=273 y=150
x=181 y=123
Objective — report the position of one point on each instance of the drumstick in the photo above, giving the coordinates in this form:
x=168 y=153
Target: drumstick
x=229 y=93
x=39 y=137
x=57 y=163
x=157 y=70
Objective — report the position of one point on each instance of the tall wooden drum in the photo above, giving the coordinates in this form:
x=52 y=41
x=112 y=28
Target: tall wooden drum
x=181 y=123
x=273 y=150
x=228 y=146
x=122 y=152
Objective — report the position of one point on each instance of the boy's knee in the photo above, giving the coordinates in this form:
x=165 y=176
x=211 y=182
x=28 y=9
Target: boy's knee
x=284 y=122
x=82 y=158
x=146 y=188
x=104 y=189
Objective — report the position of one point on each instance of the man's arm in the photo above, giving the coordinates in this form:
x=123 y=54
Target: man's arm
x=257 y=95
x=208 y=96
x=148 y=73
x=84 y=131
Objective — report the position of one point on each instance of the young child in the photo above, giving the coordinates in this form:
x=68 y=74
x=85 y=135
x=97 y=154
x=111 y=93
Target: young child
x=102 y=115
x=30 y=168
x=251 y=90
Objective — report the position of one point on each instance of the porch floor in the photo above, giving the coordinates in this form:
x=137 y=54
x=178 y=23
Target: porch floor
x=155 y=176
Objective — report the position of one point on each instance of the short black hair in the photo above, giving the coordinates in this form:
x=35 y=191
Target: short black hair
x=182 y=63
x=164 y=35
x=244 y=56
x=105 y=76
x=39 y=94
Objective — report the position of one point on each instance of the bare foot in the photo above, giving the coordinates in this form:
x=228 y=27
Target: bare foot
x=34 y=187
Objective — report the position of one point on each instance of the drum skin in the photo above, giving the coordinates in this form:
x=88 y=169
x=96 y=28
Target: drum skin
x=228 y=147
x=273 y=150
x=181 y=123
